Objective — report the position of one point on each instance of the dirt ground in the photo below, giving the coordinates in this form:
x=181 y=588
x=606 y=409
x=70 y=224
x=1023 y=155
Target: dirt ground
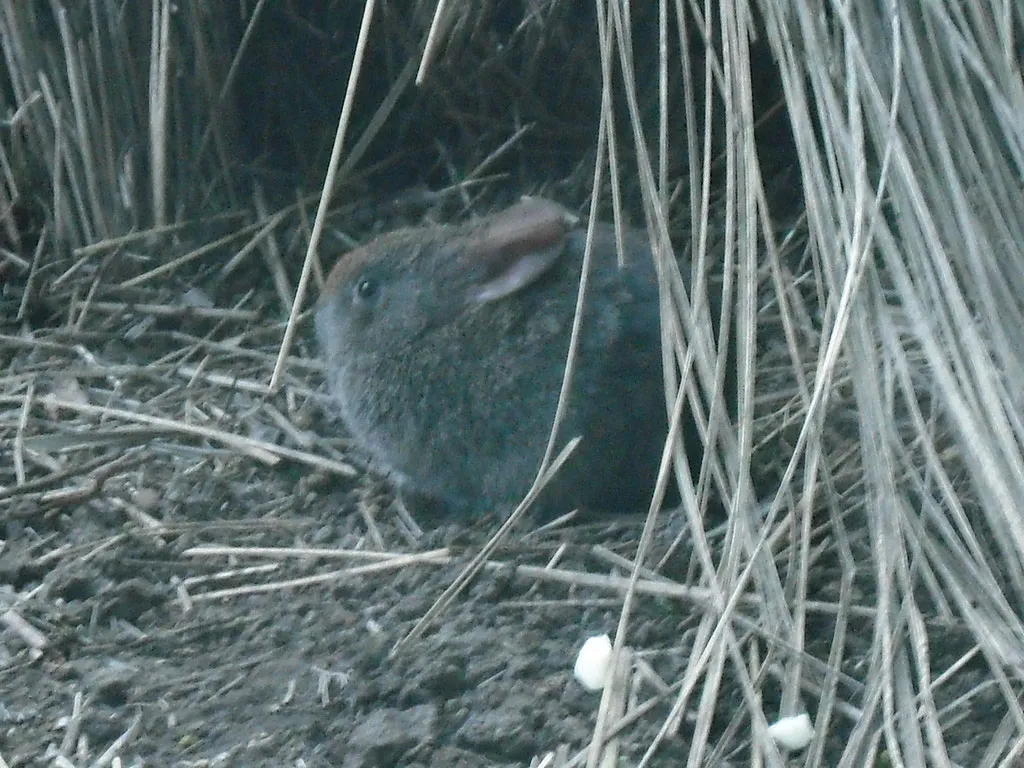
x=302 y=675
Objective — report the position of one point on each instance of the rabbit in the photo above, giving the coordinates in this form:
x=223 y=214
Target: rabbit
x=445 y=348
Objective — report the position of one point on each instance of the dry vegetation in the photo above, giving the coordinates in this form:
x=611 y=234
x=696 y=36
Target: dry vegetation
x=857 y=172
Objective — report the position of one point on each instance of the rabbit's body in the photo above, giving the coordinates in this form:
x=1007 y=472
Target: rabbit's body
x=445 y=349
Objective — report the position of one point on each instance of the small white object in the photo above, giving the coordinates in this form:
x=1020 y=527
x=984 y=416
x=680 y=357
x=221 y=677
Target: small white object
x=196 y=298
x=592 y=662
x=792 y=732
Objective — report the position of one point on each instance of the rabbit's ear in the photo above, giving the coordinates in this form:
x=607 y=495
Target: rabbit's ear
x=515 y=247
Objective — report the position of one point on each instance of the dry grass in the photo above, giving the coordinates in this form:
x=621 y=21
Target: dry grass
x=879 y=331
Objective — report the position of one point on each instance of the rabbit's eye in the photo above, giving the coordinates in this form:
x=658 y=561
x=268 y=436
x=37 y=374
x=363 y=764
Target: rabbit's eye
x=366 y=288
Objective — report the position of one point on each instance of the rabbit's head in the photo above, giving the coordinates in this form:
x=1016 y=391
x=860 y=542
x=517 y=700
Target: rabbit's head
x=384 y=296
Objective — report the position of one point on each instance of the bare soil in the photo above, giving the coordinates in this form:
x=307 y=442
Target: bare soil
x=302 y=675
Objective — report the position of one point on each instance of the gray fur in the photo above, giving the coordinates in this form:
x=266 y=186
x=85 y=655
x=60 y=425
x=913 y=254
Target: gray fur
x=451 y=387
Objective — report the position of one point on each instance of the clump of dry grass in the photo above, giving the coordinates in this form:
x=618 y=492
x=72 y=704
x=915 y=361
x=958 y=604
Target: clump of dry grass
x=104 y=114
x=878 y=328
